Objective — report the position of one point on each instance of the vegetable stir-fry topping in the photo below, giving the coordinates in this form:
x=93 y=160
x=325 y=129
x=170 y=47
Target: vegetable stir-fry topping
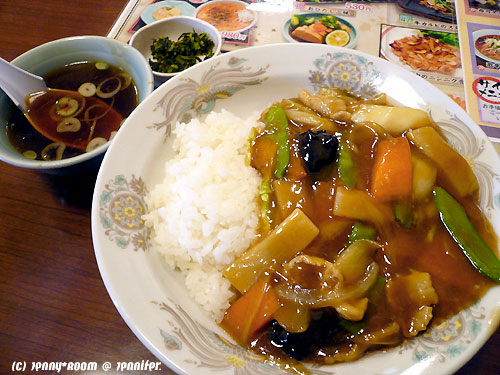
x=358 y=202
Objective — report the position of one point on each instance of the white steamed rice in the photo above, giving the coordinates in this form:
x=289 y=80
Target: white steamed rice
x=205 y=211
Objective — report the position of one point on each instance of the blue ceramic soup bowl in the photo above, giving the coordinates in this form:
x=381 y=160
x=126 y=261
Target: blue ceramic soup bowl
x=55 y=54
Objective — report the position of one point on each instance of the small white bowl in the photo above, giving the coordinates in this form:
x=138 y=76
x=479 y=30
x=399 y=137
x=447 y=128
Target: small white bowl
x=172 y=28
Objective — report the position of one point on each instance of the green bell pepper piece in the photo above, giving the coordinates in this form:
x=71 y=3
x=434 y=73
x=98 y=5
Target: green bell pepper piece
x=362 y=231
x=346 y=167
x=403 y=213
x=465 y=235
x=277 y=122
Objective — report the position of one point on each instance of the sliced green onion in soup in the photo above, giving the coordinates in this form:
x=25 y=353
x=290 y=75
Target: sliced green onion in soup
x=29 y=154
x=67 y=106
x=70 y=124
x=109 y=87
x=101 y=65
x=87 y=89
x=94 y=143
x=126 y=79
x=53 y=151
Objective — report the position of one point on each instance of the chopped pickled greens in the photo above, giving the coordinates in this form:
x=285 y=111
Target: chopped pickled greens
x=170 y=56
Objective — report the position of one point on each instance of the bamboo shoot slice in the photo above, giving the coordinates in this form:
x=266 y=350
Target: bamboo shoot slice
x=281 y=245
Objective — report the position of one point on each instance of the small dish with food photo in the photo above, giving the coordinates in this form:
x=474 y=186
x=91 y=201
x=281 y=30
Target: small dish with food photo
x=321 y=29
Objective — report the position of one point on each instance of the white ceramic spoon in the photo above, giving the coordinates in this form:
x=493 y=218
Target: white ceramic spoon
x=18 y=83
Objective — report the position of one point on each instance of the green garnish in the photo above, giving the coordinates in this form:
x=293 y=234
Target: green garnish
x=171 y=57
x=447 y=38
x=330 y=21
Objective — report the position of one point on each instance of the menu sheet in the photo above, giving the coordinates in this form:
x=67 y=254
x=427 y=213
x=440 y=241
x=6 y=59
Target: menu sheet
x=419 y=35
x=479 y=29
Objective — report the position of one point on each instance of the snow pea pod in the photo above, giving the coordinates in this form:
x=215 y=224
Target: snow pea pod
x=465 y=235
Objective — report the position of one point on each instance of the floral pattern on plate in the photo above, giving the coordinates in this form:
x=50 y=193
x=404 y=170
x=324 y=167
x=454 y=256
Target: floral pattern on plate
x=191 y=98
x=448 y=339
x=346 y=72
x=121 y=209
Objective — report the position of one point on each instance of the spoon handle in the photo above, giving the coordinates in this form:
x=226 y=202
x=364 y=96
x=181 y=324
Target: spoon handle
x=18 y=83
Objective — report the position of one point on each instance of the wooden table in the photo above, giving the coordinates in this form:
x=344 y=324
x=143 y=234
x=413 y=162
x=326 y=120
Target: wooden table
x=53 y=303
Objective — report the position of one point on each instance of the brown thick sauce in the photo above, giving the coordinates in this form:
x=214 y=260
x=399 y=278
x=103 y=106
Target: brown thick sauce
x=457 y=283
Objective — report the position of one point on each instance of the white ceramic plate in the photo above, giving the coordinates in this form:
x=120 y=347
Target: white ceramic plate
x=153 y=300
x=393 y=33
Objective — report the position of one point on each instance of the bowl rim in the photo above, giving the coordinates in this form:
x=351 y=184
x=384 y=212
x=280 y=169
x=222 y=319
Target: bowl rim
x=57 y=164
x=159 y=23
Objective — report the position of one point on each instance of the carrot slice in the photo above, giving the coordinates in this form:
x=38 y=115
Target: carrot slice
x=392 y=170
x=251 y=312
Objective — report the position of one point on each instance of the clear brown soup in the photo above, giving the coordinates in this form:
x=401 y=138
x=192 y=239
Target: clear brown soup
x=34 y=145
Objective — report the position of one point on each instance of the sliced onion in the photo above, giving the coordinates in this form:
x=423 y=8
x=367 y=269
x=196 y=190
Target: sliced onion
x=360 y=288
x=87 y=89
x=327 y=297
x=92 y=128
x=70 y=124
x=112 y=134
x=104 y=92
x=94 y=143
x=56 y=148
x=330 y=274
x=107 y=108
x=126 y=79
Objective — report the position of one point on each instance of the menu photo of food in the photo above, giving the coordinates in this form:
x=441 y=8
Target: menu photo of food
x=443 y=10
x=485 y=42
x=166 y=9
x=423 y=51
x=233 y=18
x=320 y=28
x=487 y=7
